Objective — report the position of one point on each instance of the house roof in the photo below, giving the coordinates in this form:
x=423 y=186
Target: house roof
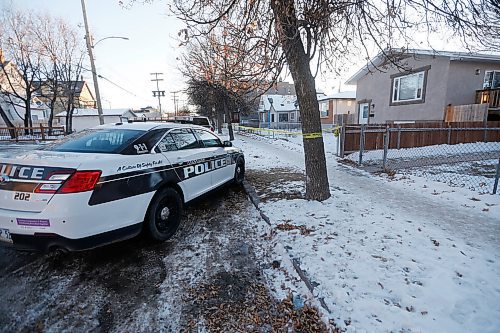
x=395 y=55
x=339 y=95
x=94 y=113
x=280 y=102
x=79 y=85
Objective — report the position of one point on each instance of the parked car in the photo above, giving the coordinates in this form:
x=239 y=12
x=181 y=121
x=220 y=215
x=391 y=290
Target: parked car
x=202 y=121
x=109 y=183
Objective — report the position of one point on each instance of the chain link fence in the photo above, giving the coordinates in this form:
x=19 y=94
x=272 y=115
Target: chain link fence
x=472 y=164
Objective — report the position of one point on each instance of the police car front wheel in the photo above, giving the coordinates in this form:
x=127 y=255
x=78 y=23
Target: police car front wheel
x=239 y=172
x=164 y=214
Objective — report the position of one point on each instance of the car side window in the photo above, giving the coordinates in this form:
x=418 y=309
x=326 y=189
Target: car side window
x=208 y=139
x=184 y=139
x=167 y=143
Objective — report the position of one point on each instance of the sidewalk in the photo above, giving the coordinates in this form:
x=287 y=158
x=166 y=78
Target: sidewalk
x=385 y=256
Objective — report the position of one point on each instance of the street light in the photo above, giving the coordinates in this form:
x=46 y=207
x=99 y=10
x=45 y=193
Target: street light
x=90 y=48
x=115 y=37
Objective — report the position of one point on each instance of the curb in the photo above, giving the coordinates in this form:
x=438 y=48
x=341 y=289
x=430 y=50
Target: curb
x=254 y=198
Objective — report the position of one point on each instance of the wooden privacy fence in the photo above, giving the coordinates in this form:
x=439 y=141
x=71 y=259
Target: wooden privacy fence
x=41 y=133
x=371 y=137
x=466 y=113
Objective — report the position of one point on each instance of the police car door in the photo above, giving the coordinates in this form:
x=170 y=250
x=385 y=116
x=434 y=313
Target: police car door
x=181 y=147
x=221 y=160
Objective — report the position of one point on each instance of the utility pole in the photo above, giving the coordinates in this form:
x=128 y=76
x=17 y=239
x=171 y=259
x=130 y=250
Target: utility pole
x=175 y=101
x=92 y=64
x=158 y=93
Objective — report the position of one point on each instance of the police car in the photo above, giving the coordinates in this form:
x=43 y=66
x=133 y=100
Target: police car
x=109 y=183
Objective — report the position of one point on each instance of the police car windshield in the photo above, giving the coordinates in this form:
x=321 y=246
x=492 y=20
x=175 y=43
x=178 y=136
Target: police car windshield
x=110 y=141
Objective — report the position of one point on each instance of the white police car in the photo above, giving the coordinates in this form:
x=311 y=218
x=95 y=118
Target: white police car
x=109 y=183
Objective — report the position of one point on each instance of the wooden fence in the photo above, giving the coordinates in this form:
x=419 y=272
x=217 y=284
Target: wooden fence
x=466 y=113
x=371 y=137
x=39 y=133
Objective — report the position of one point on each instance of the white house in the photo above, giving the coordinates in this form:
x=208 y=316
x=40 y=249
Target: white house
x=279 y=109
x=87 y=118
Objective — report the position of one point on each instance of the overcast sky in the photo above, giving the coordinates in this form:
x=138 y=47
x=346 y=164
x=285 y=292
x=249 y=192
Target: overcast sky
x=152 y=47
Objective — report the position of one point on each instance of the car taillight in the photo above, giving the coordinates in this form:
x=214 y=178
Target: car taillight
x=80 y=181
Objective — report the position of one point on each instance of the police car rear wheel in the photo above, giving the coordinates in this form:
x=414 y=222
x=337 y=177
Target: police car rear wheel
x=164 y=215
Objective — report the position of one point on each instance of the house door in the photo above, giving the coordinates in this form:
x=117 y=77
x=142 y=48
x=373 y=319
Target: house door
x=364 y=113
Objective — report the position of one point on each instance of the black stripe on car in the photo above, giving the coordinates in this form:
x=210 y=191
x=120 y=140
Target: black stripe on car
x=125 y=185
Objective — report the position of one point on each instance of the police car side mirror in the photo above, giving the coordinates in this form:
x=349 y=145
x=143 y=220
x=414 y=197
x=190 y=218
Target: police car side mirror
x=227 y=144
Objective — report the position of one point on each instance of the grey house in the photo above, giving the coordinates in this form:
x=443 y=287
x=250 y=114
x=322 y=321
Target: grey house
x=422 y=85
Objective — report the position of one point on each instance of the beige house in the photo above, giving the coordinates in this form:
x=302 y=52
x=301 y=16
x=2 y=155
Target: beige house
x=420 y=85
x=83 y=97
x=332 y=107
x=14 y=109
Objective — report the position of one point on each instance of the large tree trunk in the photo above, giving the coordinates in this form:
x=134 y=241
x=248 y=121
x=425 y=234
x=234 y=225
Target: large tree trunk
x=219 y=118
x=8 y=123
x=27 y=116
x=317 y=186
x=228 y=119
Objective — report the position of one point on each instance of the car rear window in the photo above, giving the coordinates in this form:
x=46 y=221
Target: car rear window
x=111 y=141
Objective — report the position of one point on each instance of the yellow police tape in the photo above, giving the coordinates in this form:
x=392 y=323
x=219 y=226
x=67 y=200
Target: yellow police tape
x=305 y=135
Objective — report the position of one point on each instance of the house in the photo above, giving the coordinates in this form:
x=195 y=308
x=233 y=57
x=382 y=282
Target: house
x=87 y=118
x=83 y=96
x=147 y=112
x=12 y=106
x=281 y=88
x=278 y=109
x=421 y=85
x=334 y=106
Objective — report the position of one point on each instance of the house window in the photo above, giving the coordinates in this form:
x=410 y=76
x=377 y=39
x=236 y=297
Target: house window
x=323 y=110
x=283 y=117
x=491 y=80
x=408 y=87
x=292 y=116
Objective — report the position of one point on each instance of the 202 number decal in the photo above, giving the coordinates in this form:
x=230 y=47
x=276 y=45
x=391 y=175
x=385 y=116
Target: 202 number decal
x=21 y=196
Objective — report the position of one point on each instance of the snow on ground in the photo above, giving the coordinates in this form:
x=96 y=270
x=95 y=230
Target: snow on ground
x=387 y=254
x=428 y=151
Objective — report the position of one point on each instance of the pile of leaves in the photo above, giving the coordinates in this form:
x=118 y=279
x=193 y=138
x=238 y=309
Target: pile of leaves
x=288 y=226
x=233 y=302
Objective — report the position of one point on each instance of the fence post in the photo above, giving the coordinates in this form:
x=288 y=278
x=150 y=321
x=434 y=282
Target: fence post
x=485 y=135
x=387 y=137
x=449 y=134
x=342 y=141
x=497 y=176
x=399 y=138
x=42 y=131
x=361 y=144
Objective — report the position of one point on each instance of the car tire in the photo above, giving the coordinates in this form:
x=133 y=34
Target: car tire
x=239 y=172
x=164 y=215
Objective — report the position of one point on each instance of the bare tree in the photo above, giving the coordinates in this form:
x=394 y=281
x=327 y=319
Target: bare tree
x=319 y=34
x=61 y=67
x=21 y=46
x=231 y=65
x=46 y=31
